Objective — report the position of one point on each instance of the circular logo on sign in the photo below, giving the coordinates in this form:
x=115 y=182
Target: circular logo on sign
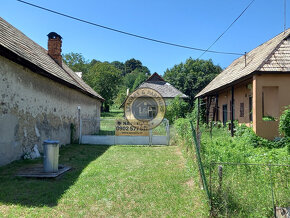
x=145 y=108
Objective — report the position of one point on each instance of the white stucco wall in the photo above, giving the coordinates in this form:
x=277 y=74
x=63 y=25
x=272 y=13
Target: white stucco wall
x=34 y=108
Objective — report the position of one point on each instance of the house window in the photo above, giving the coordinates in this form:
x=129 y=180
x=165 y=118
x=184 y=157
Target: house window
x=270 y=103
x=242 y=109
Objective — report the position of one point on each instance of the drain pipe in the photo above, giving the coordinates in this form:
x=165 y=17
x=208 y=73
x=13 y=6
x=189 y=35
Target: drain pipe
x=80 y=124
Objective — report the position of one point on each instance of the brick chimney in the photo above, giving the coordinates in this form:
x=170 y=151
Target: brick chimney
x=54 y=47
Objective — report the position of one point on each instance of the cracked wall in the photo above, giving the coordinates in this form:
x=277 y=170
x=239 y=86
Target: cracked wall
x=34 y=108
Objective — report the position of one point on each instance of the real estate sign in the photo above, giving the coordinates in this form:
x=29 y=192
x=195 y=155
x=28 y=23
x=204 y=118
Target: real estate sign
x=124 y=128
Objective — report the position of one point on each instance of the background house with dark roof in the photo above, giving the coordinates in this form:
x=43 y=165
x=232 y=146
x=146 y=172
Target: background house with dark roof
x=254 y=89
x=165 y=89
x=41 y=97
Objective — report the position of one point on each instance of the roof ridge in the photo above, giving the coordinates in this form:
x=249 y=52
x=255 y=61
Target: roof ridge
x=274 y=50
x=72 y=76
x=256 y=60
x=21 y=45
x=155 y=75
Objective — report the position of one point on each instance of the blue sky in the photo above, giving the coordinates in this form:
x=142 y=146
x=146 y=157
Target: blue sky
x=188 y=22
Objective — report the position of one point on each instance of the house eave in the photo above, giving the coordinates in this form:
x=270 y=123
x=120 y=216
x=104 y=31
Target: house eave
x=23 y=62
x=215 y=91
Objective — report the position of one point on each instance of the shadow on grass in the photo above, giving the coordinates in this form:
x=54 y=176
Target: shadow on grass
x=45 y=192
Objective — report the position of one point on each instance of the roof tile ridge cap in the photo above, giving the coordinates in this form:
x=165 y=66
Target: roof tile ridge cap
x=275 y=49
x=155 y=74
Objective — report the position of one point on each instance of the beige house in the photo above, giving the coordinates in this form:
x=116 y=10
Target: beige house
x=254 y=89
x=40 y=97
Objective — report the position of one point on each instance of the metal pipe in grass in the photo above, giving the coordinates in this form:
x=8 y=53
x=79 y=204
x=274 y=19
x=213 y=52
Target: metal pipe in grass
x=257 y=164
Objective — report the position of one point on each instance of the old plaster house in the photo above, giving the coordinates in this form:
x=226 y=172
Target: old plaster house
x=254 y=89
x=40 y=97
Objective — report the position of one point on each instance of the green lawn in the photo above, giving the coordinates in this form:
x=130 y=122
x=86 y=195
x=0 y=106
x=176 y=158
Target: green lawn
x=113 y=113
x=106 y=181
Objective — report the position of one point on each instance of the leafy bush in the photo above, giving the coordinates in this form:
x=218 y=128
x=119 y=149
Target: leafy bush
x=182 y=127
x=284 y=124
x=248 y=135
x=244 y=191
x=177 y=108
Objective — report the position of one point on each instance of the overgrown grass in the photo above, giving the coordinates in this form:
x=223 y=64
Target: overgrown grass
x=243 y=190
x=116 y=181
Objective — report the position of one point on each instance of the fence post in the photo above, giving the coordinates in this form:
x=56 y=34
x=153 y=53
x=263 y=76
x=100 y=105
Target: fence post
x=200 y=166
x=220 y=173
x=167 y=131
x=272 y=191
x=150 y=137
x=210 y=185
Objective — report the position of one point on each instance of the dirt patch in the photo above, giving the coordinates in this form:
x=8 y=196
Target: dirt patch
x=178 y=152
x=190 y=183
x=182 y=162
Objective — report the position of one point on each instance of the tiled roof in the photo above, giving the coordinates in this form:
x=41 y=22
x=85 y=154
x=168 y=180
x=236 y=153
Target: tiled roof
x=166 y=90
x=18 y=43
x=273 y=55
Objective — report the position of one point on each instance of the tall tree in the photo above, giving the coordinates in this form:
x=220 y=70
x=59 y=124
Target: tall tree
x=120 y=66
x=135 y=65
x=76 y=62
x=104 y=79
x=140 y=79
x=192 y=76
x=131 y=65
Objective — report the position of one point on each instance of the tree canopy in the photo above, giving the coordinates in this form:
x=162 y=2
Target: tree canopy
x=135 y=65
x=192 y=76
x=76 y=62
x=104 y=79
x=111 y=80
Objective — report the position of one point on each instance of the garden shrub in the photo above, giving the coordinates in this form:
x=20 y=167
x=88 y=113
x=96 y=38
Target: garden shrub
x=248 y=135
x=284 y=124
x=243 y=187
x=177 y=108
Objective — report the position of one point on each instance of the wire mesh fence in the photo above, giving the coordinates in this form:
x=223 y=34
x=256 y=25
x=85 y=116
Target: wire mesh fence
x=107 y=126
x=242 y=189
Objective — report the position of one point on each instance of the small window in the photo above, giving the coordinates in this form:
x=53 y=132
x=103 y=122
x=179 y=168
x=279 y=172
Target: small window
x=242 y=109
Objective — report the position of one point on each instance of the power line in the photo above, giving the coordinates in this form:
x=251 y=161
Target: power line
x=207 y=50
x=127 y=33
x=285 y=15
